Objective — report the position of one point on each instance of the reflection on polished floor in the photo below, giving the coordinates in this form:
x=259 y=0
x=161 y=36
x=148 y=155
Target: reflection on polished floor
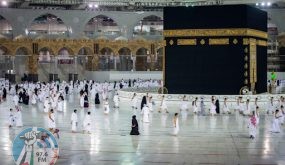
x=202 y=139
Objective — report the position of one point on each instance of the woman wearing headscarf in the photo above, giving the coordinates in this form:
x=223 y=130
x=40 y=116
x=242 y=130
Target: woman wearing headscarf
x=135 y=126
x=143 y=102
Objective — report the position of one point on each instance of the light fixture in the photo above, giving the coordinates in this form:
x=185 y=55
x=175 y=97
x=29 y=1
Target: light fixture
x=4 y=3
x=96 y=6
x=90 y=5
x=262 y=4
x=257 y=4
x=268 y=3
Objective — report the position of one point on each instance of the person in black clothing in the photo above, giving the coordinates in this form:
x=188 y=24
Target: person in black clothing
x=143 y=102
x=130 y=83
x=36 y=91
x=4 y=94
x=26 y=99
x=81 y=92
x=115 y=83
x=66 y=89
x=86 y=103
x=86 y=88
x=135 y=126
x=57 y=87
x=17 y=88
x=217 y=106
x=21 y=95
x=97 y=100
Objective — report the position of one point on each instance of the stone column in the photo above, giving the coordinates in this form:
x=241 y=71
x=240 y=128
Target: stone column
x=32 y=68
x=152 y=64
x=95 y=62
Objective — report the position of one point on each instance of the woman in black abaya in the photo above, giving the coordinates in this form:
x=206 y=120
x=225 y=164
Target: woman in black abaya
x=97 y=100
x=135 y=126
x=143 y=102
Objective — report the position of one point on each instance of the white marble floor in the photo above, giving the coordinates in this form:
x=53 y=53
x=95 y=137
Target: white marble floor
x=202 y=139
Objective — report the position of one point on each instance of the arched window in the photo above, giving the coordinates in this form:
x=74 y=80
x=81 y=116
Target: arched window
x=102 y=25
x=5 y=27
x=149 y=26
x=142 y=59
x=106 y=59
x=125 y=62
x=48 y=25
x=21 y=58
x=6 y=63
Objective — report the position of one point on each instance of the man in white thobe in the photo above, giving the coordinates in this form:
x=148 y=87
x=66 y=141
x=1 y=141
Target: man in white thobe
x=74 y=121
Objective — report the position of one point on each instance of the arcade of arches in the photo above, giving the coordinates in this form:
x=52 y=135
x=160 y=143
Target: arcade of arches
x=75 y=56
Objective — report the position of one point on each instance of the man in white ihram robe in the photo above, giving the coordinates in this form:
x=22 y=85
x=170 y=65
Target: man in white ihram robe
x=74 y=121
x=11 y=118
x=19 y=120
x=116 y=100
x=87 y=123
x=16 y=100
x=46 y=105
x=145 y=113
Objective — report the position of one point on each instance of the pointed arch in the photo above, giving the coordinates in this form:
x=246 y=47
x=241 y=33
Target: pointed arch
x=125 y=59
x=149 y=25
x=142 y=59
x=106 y=51
x=142 y=51
x=85 y=51
x=4 y=50
x=65 y=51
x=47 y=50
x=101 y=25
x=47 y=24
x=5 y=27
x=23 y=51
x=124 y=51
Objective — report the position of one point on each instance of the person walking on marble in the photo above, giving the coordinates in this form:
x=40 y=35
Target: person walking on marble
x=252 y=125
x=163 y=106
x=145 y=114
x=51 y=121
x=184 y=104
x=74 y=120
x=135 y=126
x=150 y=103
x=134 y=101
x=275 y=127
x=270 y=106
x=175 y=124
x=87 y=123
x=11 y=118
x=18 y=118
x=213 y=108
x=16 y=99
x=226 y=107
x=195 y=106
x=106 y=107
x=116 y=100
x=46 y=105
x=202 y=107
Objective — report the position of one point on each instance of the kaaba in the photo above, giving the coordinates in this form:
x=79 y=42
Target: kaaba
x=215 y=49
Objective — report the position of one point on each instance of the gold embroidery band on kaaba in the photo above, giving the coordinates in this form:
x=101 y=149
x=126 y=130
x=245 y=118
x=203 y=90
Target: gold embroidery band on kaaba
x=220 y=41
x=215 y=32
x=186 y=42
x=258 y=42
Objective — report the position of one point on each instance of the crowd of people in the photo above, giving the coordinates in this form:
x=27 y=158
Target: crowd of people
x=52 y=95
x=249 y=109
